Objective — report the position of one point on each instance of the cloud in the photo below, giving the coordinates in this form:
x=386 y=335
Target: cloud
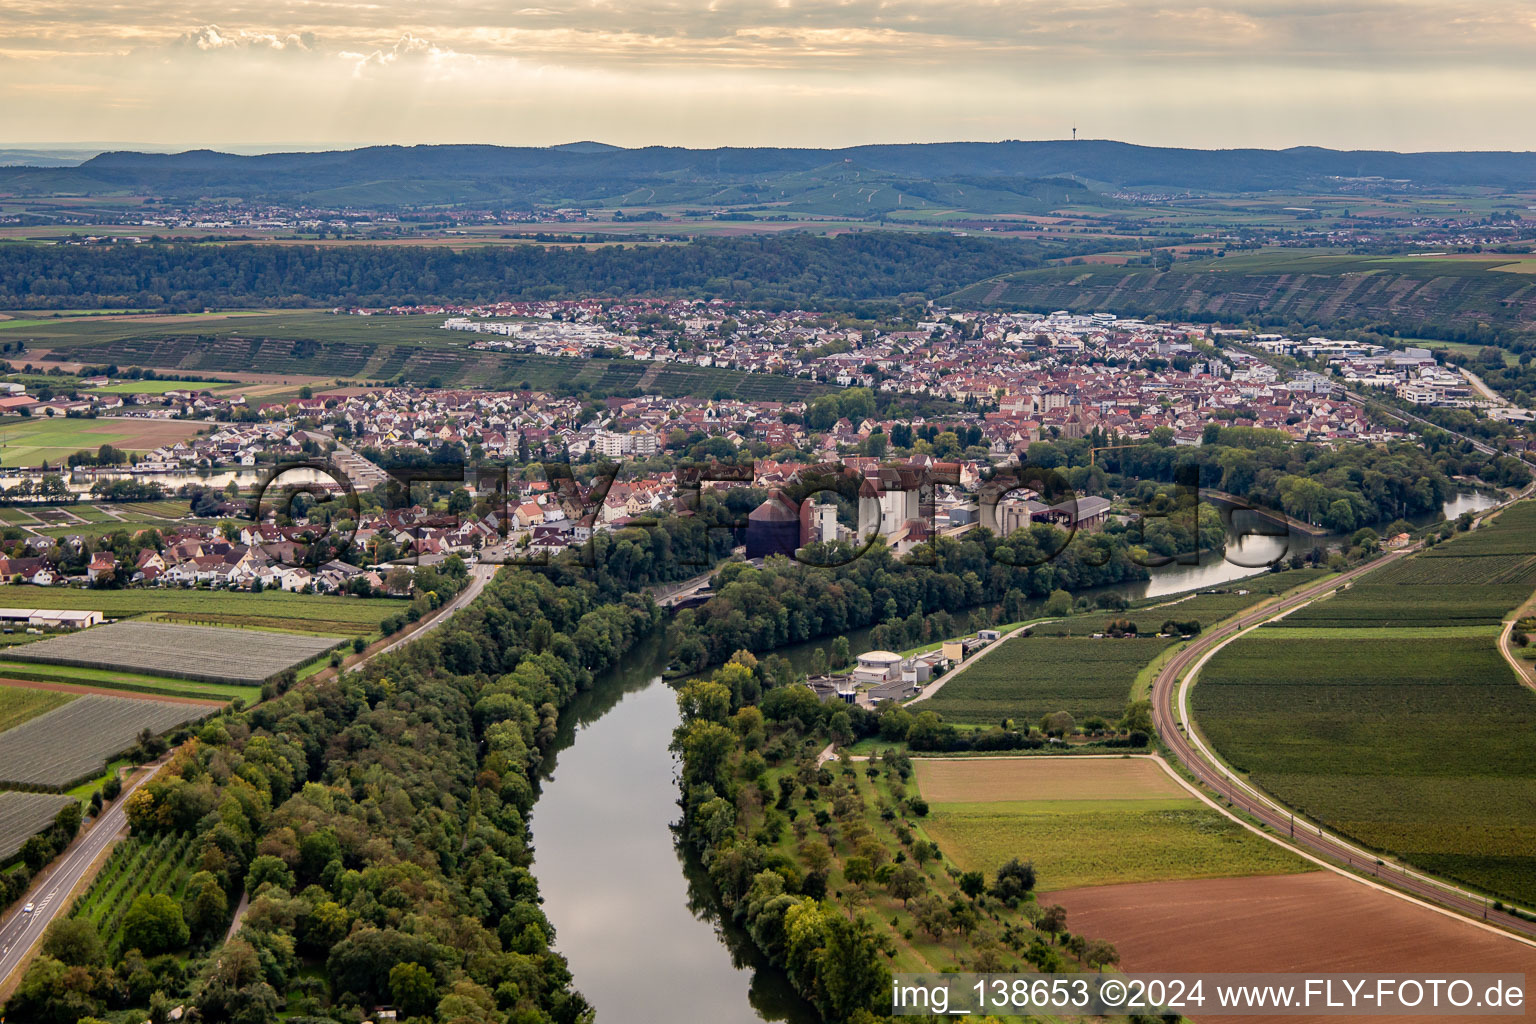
x=1279 y=72
x=211 y=37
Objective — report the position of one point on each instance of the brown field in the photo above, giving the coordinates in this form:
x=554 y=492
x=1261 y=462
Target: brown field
x=1318 y=922
x=983 y=780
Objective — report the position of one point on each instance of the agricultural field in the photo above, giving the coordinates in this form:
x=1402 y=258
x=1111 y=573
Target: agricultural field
x=1387 y=713
x=96 y=680
x=20 y=703
x=271 y=609
x=166 y=508
x=138 y=865
x=160 y=387
x=74 y=741
x=1317 y=922
x=1087 y=821
x=1034 y=676
x=24 y=815
x=204 y=653
x=33 y=440
x=1061 y=667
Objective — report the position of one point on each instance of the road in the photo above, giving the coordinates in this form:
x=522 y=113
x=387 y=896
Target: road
x=20 y=933
x=479 y=575
x=50 y=895
x=1167 y=692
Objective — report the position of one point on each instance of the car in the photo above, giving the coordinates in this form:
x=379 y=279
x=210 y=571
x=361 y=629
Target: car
x=27 y=909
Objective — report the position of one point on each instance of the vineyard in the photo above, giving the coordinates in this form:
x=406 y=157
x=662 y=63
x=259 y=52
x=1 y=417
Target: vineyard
x=1388 y=713
x=24 y=815
x=74 y=741
x=205 y=653
x=138 y=865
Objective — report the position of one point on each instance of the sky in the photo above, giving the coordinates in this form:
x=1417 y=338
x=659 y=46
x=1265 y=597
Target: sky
x=1357 y=74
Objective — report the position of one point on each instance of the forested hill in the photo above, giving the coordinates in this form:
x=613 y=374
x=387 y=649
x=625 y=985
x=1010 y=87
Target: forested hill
x=595 y=171
x=786 y=270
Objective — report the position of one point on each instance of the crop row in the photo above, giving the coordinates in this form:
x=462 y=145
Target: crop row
x=1033 y=676
x=137 y=866
x=206 y=653
x=23 y=815
x=75 y=740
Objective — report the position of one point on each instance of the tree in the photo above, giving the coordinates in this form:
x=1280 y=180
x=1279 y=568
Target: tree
x=972 y=883
x=1054 y=921
x=906 y=883
x=413 y=989
x=924 y=850
x=1058 y=604
x=1014 y=880
x=1101 y=954
x=1058 y=723
x=851 y=973
x=206 y=906
x=841 y=653
x=74 y=941
x=153 y=924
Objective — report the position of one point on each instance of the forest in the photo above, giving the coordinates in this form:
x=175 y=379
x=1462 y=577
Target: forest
x=788 y=601
x=782 y=270
x=377 y=821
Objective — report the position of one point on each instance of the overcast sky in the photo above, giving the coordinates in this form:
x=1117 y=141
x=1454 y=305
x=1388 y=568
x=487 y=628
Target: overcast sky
x=1391 y=74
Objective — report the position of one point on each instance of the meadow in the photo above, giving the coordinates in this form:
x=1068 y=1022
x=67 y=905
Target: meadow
x=1388 y=714
x=1086 y=821
x=32 y=440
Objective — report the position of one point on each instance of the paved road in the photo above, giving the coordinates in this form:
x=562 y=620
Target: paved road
x=50 y=896
x=1202 y=764
x=21 y=932
x=479 y=575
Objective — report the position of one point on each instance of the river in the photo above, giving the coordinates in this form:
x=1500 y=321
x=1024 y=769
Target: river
x=633 y=913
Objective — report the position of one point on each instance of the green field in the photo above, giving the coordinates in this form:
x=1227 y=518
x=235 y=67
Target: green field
x=30 y=441
x=316 y=613
x=129 y=682
x=17 y=704
x=160 y=387
x=1062 y=668
x=1105 y=842
x=1363 y=712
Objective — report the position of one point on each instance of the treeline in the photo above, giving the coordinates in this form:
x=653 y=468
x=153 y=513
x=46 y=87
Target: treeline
x=1341 y=488
x=790 y=269
x=788 y=602
x=378 y=822
x=826 y=872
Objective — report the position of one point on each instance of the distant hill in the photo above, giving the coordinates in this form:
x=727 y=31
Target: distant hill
x=1440 y=298
x=591 y=172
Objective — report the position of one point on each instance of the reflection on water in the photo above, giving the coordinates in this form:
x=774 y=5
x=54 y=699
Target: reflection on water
x=632 y=911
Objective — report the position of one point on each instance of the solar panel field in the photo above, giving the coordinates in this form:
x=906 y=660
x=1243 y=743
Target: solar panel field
x=75 y=740
x=204 y=653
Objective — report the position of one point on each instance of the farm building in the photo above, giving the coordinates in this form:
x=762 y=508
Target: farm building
x=46 y=618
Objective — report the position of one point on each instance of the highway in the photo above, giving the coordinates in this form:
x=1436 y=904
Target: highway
x=1169 y=713
x=50 y=894
x=20 y=932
